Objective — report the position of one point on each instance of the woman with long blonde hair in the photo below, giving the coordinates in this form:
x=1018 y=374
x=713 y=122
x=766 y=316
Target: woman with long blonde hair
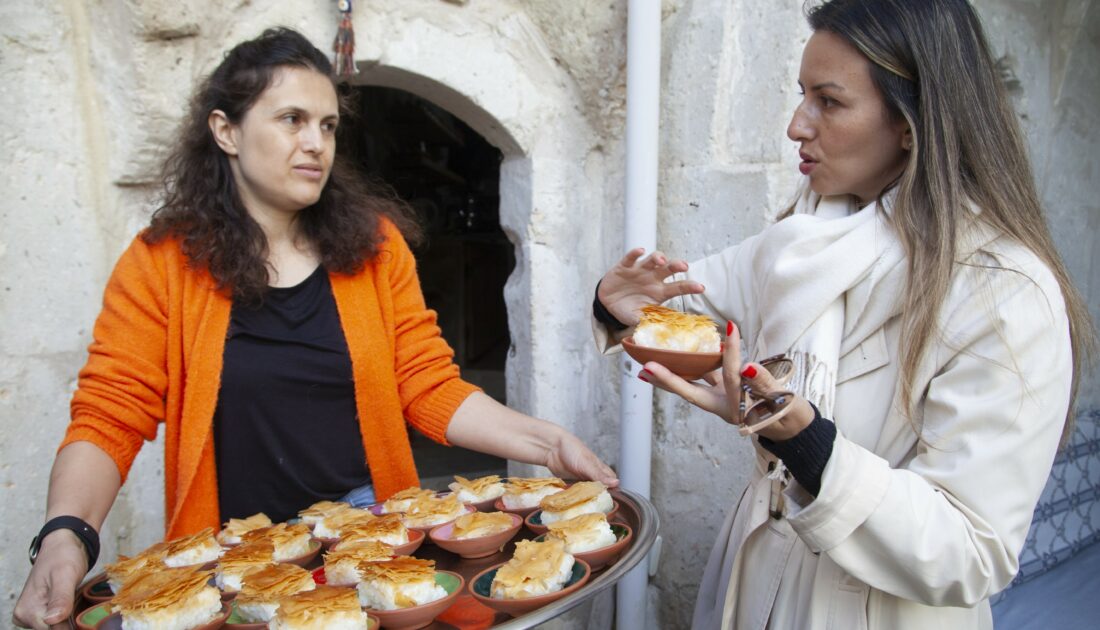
x=932 y=339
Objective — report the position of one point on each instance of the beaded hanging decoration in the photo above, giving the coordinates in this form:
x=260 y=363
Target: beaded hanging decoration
x=344 y=44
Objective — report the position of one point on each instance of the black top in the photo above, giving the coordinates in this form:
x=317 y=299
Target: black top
x=286 y=433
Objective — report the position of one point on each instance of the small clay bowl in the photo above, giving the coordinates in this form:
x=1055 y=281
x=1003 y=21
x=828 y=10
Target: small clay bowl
x=689 y=366
x=97 y=590
x=597 y=559
x=423 y=615
x=480 y=588
x=90 y=617
x=315 y=545
x=480 y=547
x=114 y=621
x=534 y=519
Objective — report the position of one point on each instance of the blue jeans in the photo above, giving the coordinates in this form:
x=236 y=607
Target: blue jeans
x=360 y=497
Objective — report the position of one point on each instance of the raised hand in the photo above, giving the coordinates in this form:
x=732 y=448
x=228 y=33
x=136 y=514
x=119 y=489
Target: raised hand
x=633 y=283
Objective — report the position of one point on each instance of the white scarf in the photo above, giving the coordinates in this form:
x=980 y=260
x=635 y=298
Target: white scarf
x=827 y=277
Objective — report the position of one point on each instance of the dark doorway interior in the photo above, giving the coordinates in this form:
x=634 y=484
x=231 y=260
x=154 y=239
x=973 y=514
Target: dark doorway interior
x=450 y=175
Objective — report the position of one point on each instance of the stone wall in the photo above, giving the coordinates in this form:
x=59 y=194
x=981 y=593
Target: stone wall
x=95 y=87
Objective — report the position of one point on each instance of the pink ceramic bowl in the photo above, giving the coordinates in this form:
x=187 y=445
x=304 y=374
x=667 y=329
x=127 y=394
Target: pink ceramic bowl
x=687 y=365
x=481 y=547
x=96 y=590
x=481 y=584
x=420 y=616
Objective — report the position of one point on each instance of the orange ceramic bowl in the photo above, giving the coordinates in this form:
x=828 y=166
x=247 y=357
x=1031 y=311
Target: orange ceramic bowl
x=597 y=559
x=96 y=590
x=423 y=615
x=481 y=584
x=522 y=512
x=534 y=519
x=687 y=365
x=480 y=547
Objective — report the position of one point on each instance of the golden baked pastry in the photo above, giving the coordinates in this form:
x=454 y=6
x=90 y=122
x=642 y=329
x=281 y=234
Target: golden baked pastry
x=477 y=490
x=231 y=533
x=388 y=528
x=334 y=524
x=159 y=599
x=583 y=533
x=274 y=582
x=574 y=495
x=342 y=565
x=429 y=510
x=669 y=329
x=536 y=568
x=290 y=541
x=324 y=607
x=401 y=501
x=478 y=524
x=314 y=513
x=197 y=548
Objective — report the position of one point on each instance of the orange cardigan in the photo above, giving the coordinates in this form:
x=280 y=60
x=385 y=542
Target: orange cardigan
x=156 y=356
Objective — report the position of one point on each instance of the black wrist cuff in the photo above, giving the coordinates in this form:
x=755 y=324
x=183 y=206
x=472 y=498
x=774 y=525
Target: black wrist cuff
x=85 y=532
x=807 y=453
x=603 y=315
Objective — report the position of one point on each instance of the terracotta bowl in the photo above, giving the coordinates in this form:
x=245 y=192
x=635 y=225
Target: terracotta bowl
x=114 y=621
x=482 y=582
x=315 y=545
x=534 y=519
x=597 y=559
x=90 y=617
x=96 y=590
x=443 y=536
x=687 y=365
x=420 y=616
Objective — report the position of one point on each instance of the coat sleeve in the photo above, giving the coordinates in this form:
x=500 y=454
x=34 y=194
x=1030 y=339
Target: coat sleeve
x=946 y=527
x=428 y=380
x=120 y=391
x=727 y=295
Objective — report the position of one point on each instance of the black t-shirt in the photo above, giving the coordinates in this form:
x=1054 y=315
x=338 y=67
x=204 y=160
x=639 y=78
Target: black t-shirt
x=286 y=432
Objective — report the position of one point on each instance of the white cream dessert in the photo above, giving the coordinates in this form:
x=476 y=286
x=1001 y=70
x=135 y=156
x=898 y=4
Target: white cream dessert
x=314 y=513
x=401 y=501
x=669 y=329
x=169 y=599
x=479 y=524
x=400 y=583
x=190 y=550
x=239 y=560
x=586 y=532
x=523 y=493
x=231 y=533
x=289 y=541
x=342 y=565
x=333 y=525
x=537 y=568
x=262 y=589
x=583 y=497
x=324 y=608
x=477 y=490
x=388 y=528
x=429 y=511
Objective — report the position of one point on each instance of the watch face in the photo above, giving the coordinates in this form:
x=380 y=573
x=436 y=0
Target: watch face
x=33 y=551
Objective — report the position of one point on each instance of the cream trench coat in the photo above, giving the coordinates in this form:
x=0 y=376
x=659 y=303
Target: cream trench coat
x=907 y=532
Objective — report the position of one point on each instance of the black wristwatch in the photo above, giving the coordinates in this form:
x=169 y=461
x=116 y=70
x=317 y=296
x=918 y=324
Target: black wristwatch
x=85 y=532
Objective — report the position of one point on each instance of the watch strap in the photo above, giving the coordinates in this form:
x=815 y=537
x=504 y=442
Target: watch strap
x=85 y=532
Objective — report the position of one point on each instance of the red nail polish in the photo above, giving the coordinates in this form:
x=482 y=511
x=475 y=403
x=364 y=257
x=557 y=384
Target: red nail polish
x=645 y=371
x=749 y=372
x=729 y=328
x=644 y=379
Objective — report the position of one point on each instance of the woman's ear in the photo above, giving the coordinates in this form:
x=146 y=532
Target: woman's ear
x=907 y=139
x=223 y=130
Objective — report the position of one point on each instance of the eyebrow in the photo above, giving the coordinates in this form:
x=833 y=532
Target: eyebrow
x=827 y=84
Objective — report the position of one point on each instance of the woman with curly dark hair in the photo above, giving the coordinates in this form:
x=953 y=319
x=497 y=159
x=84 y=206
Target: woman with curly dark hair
x=271 y=318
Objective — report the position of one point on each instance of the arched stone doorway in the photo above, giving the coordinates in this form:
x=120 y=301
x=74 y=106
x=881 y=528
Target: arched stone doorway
x=450 y=175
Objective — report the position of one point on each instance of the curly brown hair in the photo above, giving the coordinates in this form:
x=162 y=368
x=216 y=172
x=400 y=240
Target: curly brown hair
x=202 y=206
